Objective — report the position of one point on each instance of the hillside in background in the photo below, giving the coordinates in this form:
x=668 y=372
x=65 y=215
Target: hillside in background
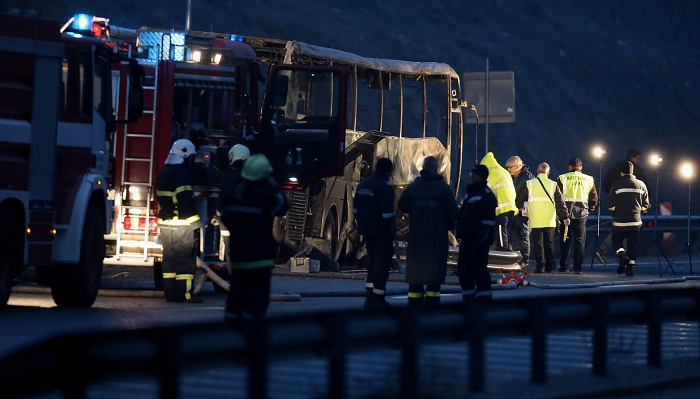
x=621 y=73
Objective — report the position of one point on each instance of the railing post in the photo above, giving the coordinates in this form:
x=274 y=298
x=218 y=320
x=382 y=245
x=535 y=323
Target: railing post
x=600 y=307
x=477 y=334
x=654 y=310
x=538 y=317
x=257 y=360
x=335 y=326
x=169 y=366
x=409 y=357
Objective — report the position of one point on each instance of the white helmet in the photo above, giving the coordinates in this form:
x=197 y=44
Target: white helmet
x=180 y=150
x=238 y=152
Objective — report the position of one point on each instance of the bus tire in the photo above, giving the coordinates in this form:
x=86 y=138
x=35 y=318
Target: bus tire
x=330 y=235
x=76 y=285
x=8 y=254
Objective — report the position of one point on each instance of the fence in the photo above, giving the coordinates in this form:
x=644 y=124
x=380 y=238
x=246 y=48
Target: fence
x=71 y=363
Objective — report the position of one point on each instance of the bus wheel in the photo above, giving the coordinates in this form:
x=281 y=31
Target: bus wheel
x=8 y=253
x=330 y=235
x=158 y=274
x=76 y=285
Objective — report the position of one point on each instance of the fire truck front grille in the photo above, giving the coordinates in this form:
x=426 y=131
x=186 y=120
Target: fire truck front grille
x=296 y=216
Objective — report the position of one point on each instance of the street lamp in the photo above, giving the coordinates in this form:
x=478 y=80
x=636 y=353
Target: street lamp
x=599 y=153
x=656 y=161
x=687 y=172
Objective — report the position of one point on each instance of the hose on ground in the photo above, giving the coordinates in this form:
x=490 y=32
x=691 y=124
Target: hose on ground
x=612 y=283
x=393 y=291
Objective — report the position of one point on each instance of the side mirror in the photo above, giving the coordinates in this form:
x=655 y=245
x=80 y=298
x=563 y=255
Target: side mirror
x=135 y=100
x=281 y=88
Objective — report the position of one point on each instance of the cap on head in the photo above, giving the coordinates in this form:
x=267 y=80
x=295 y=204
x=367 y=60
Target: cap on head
x=431 y=164
x=180 y=150
x=256 y=168
x=576 y=163
x=238 y=152
x=384 y=165
x=481 y=170
x=626 y=167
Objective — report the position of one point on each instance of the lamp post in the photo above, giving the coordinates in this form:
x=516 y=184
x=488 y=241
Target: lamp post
x=687 y=172
x=656 y=161
x=599 y=153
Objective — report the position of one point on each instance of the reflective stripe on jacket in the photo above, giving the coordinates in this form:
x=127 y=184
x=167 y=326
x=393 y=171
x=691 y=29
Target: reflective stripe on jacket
x=501 y=184
x=176 y=197
x=577 y=188
x=540 y=208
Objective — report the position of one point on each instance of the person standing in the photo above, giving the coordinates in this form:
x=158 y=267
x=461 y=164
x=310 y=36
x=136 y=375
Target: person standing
x=236 y=157
x=374 y=211
x=178 y=222
x=432 y=210
x=501 y=184
x=627 y=200
x=581 y=198
x=475 y=225
x=520 y=226
x=544 y=204
x=250 y=204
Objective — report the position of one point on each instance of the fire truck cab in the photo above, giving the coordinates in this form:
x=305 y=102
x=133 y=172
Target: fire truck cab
x=56 y=125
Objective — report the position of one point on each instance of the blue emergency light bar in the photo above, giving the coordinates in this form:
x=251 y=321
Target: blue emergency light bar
x=82 y=22
x=236 y=38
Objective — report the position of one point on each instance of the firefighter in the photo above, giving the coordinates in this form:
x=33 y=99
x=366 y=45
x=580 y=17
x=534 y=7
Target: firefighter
x=374 y=212
x=544 y=204
x=580 y=197
x=501 y=184
x=250 y=204
x=429 y=202
x=520 y=226
x=236 y=156
x=475 y=225
x=178 y=222
x=627 y=199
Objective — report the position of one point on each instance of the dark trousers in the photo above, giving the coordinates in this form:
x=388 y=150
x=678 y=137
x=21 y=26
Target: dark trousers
x=632 y=234
x=577 y=235
x=179 y=263
x=416 y=295
x=250 y=291
x=502 y=228
x=472 y=268
x=520 y=233
x=380 y=250
x=544 y=248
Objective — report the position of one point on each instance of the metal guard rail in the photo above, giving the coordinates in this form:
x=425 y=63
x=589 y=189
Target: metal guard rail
x=666 y=223
x=69 y=363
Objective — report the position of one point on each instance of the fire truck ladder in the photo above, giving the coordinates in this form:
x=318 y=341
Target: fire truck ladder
x=125 y=185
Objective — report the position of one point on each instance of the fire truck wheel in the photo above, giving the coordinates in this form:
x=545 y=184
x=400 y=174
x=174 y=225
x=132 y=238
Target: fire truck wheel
x=76 y=285
x=8 y=254
x=330 y=235
x=158 y=275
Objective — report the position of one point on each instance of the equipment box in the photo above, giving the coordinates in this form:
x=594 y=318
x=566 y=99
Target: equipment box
x=304 y=265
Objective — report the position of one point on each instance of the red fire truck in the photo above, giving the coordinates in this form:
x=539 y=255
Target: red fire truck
x=56 y=131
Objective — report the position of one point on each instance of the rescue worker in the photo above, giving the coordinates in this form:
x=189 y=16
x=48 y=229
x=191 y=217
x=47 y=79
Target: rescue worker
x=520 y=226
x=250 y=204
x=544 y=204
x=475 y=225
x=179 y=223
x=611 y=176
x=236 y=156
x=501 y=184
x=374 y=212
x=627 y=199
x=580 y=197
x=432 y=210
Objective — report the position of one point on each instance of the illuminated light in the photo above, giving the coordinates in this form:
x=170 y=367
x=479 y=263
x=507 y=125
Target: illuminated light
x=99 y=182
x=73 y=34
x=656 y=160
x=53 y=232
x=96 y=29
x=217 y=58
x=29 y=231
x=196 y=56
x=598 y=152
x=236 y=38
x=206 y=155
x=82 y=22
x=687 y=170
x=293 y=179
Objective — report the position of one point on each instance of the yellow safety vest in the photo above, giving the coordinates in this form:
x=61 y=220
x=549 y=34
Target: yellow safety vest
x=540 y=208
x=576 y=186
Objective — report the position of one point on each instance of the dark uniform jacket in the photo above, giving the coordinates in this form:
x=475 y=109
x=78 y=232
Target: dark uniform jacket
x=477 y=216
x=613 y=174
x=176 y=197
x=374 y=207
x=627 y=199
x=249 y=209
x=520 y=180
x=430 y=203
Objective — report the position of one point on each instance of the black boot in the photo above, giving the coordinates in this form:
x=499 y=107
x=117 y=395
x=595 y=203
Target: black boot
x=628 y=271
x=432 y=299
x=377 y=302
x=367 y=298
x=624 y=260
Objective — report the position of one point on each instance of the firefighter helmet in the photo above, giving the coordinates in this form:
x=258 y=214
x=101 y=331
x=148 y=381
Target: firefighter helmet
x=257 y=167
x=180 y=150
x=238 y=152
